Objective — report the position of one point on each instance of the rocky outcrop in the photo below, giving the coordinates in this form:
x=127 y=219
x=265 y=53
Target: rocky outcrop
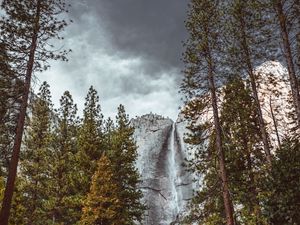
x=165 y=182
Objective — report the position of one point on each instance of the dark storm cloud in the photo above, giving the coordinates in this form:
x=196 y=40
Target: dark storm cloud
x=153 y=29
x=129 y=50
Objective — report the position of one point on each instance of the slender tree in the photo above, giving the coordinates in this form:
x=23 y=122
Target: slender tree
x=10 y=93
x=36 y=157
x=295 y=18
x=90 y=141
x=64 y=196
x=286 y=25
x=244 y=156
x=109 y=129
x=102 y=204
x=283 y=204
x=201 y=59
x=90 y=137
x=123 y=153
x=247 y=47
x=26 y=30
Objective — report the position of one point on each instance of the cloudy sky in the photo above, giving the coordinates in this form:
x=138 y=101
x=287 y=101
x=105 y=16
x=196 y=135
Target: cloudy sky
x=129 y=50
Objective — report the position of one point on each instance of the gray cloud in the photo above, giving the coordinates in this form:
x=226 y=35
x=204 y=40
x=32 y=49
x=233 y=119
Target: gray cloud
x=153 y=29
x=128 y=49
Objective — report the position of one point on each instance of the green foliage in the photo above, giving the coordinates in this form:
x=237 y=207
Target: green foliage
x=18 y=210
x=283 y=203
x=18 y=204
x=36 y=157
x=11 y=89
x=102 y=204
x=59 y=158
x=64 y=199
x=247 y=29
x=245 y=160
x=204 y=75
x=123 y=154
x=89 y=142
x=25 y=20
x=26 y=28
x=90 y=138
x=201 y=48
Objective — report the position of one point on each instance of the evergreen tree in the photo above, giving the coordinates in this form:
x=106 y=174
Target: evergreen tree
x=10 y=92
x=90 y=141
x=102 y=204
x=202 y=60
x=283 y=203
x=123 y=154
x=18 y=210
x=26 y=28
x=64 y=203
x=109 y=130
x=90 y=138
x=207 y=205
x=35 y=157
x=244 y=159
x=287 y=16
x=248 y=47
x=244 y=156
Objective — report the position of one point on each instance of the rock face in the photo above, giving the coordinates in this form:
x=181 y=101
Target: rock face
x=165 y=182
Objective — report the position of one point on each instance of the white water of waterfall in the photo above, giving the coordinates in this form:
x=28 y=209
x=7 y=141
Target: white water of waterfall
x=173 y=176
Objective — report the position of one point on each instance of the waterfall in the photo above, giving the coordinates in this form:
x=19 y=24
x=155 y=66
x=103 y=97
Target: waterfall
x=166 y=185
x=173 y=173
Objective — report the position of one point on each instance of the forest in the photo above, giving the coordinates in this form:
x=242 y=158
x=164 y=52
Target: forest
x=59 y=166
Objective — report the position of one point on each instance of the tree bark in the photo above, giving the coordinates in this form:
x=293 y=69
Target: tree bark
x=223 y=172
x=288 y=57
x=253 y=201
x=13 y=166
x=249 y=65
x=275 y=123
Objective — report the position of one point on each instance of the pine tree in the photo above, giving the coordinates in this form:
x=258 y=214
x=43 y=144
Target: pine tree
x=35 y=157
x=244 y=156
x=90 y=141
x=283 y=204
x=10 y=92
x=64 y=203
x=102 y=204
x=288 y=31
x=26 y=30
x=109 y=130
x=201 y=58
x=18 y=210
x=244 y=159
x=90 y=138
x=123 y=154
x=248 y=47
x=207 y=205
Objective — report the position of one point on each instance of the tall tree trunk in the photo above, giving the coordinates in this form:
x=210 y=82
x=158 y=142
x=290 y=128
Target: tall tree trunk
x=288 y=57
x=249 y=65
x=275 y=123
x=12 y=172
x=223 y=172
x=253 y=201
